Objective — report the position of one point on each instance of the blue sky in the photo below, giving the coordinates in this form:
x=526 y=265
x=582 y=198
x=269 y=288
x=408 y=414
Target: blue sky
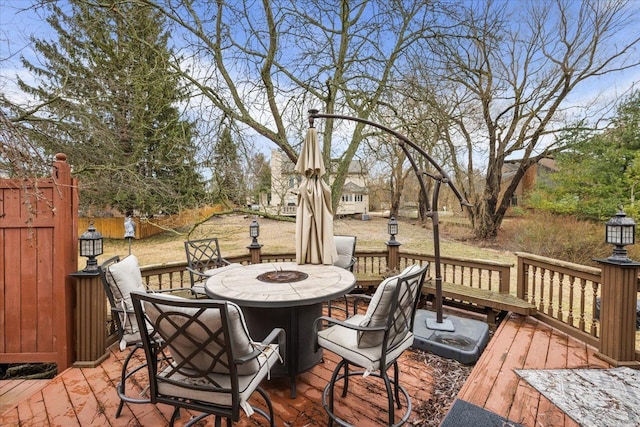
x=16 y=25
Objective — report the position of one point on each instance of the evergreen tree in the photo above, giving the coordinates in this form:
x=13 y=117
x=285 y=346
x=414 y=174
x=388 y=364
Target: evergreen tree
x=599 y=172
x=108 y=100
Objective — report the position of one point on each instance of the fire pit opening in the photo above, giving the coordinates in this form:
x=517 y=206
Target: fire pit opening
x=282 y=276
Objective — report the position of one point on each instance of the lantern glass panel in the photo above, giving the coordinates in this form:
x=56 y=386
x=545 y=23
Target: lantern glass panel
x=628 y=235
x=614 y=234
x=254 y=229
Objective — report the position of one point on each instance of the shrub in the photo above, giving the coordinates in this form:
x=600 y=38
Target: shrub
x=556 y=236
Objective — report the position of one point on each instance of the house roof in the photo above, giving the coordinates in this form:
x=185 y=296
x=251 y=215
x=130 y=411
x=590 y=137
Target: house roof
x=351 y=187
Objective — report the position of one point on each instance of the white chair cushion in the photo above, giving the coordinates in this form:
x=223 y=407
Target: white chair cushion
x=344 y=342
x=344 y=247
x=377 y=312
x=208 y=321
x=246 y=383
x=124 y=277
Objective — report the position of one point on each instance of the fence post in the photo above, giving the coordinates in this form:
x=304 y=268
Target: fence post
x=618 y=312
x=65 y=236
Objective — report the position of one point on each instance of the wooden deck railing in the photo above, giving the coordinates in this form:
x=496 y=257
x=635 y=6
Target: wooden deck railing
x=564 y=294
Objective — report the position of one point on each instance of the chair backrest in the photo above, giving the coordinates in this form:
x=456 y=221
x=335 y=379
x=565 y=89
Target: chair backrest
x=346 y=247
x=120 y=278
x=203 y=338
x=393 y=307
x=203 y=254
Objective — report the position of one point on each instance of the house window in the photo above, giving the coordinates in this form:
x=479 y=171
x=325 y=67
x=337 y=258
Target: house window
x=358 y=197
x=347 y=197
x=294 y=181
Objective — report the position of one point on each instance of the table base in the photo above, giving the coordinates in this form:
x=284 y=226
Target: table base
x=298 y=322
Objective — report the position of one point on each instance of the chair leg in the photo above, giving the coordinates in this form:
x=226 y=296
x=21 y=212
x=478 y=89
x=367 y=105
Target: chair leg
x=393 y=394
x=329 y=389
x=125 y=374
x=390 y=399
x=269 y=416
x=396 y=381
x=175 y=415
x=346 y=380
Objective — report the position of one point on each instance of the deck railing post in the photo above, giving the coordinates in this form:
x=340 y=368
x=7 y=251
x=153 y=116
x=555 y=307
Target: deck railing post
x=618 y=312
x=393 y=255
x=90 y=320
x=255 y=252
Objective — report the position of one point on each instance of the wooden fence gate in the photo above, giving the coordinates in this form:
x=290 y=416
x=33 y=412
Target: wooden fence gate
x=38 y=241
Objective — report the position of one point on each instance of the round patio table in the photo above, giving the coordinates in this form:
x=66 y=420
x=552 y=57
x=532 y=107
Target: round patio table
x=284 y=295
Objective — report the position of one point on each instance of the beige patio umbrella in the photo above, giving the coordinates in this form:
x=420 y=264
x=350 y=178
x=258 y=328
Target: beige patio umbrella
x=314 y=216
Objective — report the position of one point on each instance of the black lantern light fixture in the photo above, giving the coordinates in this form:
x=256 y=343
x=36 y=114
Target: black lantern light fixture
x=254 y=232
x=620 y=232
x=392 y=228
x=90 y=243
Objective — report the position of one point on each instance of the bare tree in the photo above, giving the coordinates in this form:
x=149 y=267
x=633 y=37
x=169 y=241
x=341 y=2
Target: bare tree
x=266 y=63
x=500 y=87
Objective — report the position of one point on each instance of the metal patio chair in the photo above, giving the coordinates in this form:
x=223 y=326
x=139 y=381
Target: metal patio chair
x=212 y=365
x=120 y=278
x=346 y=248
x=374 y=341
x=203 y=257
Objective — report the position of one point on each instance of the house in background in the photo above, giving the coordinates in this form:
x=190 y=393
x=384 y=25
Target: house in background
x=285 y=182
x=538 y=172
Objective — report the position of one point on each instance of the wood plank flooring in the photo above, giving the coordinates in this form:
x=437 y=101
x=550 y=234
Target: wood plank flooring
x=525 y=343
x=87 y=396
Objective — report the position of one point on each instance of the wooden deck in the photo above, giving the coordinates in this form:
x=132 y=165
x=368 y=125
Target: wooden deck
x=86 y=396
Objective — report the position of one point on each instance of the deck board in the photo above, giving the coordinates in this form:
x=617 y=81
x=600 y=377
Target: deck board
x=87 y=396
x=547 y=348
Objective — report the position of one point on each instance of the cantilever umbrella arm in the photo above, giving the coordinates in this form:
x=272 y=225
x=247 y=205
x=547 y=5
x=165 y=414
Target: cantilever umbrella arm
x=440 y=178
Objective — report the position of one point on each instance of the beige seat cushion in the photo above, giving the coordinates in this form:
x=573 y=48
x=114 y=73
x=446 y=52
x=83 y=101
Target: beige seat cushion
x=378 y=312
x=124 y=277
x=344 y=342
x=344 y=246
x=200 y=333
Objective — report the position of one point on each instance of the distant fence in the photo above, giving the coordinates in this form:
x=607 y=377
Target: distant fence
x=113 y=227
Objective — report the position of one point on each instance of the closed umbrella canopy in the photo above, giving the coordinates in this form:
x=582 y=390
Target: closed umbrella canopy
x=314 y=217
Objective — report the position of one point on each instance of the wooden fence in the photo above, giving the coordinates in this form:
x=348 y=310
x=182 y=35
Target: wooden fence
x=113 y=227
x=38 y=251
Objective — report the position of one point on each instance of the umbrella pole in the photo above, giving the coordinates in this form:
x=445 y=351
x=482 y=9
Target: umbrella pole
x=441 y=177
x=440 y=323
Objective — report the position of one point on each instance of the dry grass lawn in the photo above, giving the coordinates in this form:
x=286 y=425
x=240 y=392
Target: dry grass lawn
x=279 y=237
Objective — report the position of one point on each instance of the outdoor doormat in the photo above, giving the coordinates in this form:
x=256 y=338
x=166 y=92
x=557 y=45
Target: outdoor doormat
x=465 y=414
x=591 y=397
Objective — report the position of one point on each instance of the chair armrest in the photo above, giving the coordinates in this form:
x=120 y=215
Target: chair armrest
x=196 y=272
x=162 y=291
x=276 y=334
x=330 y=321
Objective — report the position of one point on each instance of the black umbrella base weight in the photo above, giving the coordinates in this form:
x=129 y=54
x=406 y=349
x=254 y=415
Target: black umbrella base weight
x=464 y=343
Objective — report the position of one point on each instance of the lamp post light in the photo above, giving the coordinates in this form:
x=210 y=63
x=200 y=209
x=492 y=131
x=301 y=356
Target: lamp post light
x=90 y=243
x=393 y=246
x=392 y=228
x=254 y=247
x=254 y=232
x=618 y=295
x=620 y=232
